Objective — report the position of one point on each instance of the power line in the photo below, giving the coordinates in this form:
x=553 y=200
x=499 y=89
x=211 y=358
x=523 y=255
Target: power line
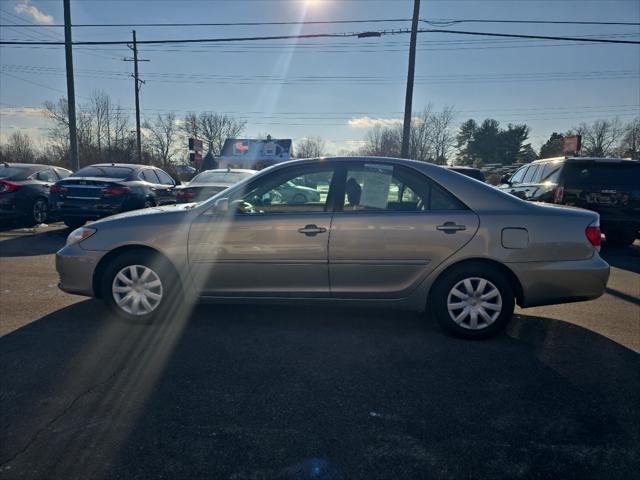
x=435 y=22
x=453 y=21
x=330 y=35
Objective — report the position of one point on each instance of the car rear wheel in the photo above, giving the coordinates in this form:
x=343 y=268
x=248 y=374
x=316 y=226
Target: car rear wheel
x=139 y=287
x=40 y=211
x=473 y=301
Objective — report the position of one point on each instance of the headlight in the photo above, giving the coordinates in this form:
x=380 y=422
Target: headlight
x=80 y=234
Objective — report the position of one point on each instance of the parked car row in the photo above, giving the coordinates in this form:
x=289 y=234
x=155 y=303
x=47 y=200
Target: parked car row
x=610 y=187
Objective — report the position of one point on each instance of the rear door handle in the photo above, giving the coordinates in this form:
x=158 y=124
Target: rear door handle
x=450 y=227
x=312 y=230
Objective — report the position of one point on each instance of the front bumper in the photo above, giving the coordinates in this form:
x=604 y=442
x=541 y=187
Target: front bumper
x=548 y=283
x=76 y=268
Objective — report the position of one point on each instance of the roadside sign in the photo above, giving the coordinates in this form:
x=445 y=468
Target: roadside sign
x=195 y=145
x=196 y=157
x=571 y=144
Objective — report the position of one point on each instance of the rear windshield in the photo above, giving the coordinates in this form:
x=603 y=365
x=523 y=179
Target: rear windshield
x=583 y=174
x=14 y=173
x=222 y=177
x=107 y=172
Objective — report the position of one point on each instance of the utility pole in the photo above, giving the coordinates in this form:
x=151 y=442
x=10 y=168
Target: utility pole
x=406 y=127
x=137 y=84
x=71 y=91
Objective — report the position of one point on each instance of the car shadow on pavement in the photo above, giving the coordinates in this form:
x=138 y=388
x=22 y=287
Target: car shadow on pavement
x=324 y=393
x=32 y=242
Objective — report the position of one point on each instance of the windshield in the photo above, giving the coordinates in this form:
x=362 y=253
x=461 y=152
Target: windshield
x=106 y=172
x=220 y=177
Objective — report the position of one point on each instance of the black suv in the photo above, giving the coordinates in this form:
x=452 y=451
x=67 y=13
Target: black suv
x=608 y=186
x=100 y=190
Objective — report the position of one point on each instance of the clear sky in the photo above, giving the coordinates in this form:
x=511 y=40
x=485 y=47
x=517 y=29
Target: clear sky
x=332 y=88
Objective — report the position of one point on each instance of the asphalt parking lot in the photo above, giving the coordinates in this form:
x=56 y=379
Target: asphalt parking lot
x=247 y=392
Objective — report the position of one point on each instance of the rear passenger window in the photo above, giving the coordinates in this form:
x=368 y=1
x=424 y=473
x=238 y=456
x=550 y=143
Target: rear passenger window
x=149 y=176
x=551 y=172
x=536 y=176
x=528 y=177
x=165 y=179
x=379 y=187
x=62 y=173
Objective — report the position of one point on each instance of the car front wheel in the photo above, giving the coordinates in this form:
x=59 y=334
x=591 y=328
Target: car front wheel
x=473 y=301
x=139 y=287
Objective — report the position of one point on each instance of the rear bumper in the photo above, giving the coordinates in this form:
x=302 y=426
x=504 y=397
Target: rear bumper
x=548 y=283
x=76 y=268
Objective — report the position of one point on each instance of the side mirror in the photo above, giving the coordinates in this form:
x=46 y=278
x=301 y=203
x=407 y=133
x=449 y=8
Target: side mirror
x=221 y=205
x=506 y=179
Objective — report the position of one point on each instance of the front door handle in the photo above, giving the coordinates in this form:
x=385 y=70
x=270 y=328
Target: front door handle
x=450 y=227
x=312 y=230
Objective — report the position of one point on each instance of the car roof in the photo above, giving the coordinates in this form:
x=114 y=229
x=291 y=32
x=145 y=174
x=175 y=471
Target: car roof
x=124 y=165
x=230 y=170
x=584 y=159
x=460 y=167
x=28 y=165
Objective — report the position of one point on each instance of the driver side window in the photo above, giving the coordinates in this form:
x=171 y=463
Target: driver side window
x=288 y=192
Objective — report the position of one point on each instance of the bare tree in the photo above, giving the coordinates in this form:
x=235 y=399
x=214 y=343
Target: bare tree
x=630 y=144
x=20 y=148
x=99 y=108
x=191 y=125
x=162 y=137
x=382 y=142
x=310 y=147
x=443 y=138
x=215 y=128
x=431 y=140
x=601 y=137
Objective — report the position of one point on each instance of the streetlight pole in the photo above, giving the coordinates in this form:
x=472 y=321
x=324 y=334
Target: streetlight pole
x=406 y=127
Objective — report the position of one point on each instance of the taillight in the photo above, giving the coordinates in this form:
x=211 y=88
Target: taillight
x=119 y=190
x=8 y=187
x=594 y=235
x=186 y=194
x=558 y=194
x=57 y=189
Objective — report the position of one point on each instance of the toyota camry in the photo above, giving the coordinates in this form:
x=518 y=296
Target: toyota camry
x=377 y=231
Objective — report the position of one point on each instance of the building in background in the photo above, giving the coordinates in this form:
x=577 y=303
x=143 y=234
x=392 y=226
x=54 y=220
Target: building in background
x=254 y=154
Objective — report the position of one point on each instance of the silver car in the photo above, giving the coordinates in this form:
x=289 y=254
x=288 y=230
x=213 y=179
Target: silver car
x=380 y=231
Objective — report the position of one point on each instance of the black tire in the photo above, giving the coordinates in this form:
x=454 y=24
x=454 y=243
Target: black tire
x=442 y=291
x=620 y=238
x=74 y=222
x=169 y=289
x=39 y=211
x=148 y=203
